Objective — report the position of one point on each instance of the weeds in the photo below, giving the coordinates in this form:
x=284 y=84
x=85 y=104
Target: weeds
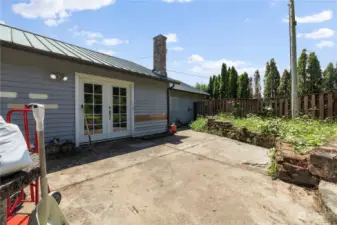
x=303 y=132
x=272 y=167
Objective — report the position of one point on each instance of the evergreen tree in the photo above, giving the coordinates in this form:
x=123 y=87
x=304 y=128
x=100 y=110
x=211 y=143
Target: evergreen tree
x=243 y=86
x=215 y=87
x=257 y=85
x=267 y=82
x=219 y=86
x=314 y=74
x=250 y=88
x=302 y=73
x=330 y=78
x=224 y=81
x=275 y=78
x=284 y=89
x=233 y=79
x=210 y=87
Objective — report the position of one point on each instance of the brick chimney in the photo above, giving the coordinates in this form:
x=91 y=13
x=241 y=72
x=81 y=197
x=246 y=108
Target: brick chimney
x=159 y=55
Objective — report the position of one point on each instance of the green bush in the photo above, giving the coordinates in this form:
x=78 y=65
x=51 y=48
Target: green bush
x=199 y=125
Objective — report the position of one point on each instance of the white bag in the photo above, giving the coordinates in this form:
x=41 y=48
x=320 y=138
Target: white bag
x=14 y=154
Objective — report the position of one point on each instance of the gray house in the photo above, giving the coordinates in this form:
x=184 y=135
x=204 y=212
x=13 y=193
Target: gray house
x=118 y=98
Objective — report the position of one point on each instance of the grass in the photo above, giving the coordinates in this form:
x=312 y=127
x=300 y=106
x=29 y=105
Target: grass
x=303 y=132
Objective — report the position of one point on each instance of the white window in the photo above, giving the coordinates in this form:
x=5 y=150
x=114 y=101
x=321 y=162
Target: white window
x=174 y=103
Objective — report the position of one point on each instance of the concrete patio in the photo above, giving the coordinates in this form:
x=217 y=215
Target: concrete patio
x=189 y=178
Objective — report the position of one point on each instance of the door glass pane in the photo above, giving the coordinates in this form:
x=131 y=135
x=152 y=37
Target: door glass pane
x=88 y=98
x=115 y=91
x=119 y=101
x=98 y=99
x=88 y=88
x=93 y=108
x=123 y=100
x=98 y=89
x=123 y=91
x=116 y=100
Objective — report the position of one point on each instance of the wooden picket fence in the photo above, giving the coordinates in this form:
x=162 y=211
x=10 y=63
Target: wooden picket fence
x=320 y=106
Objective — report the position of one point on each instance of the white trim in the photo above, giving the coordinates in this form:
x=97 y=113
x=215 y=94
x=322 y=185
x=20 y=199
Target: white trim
x=8 y=94
x=77 y=108
x=90 y=77
x=38 y=96
x=81 y=77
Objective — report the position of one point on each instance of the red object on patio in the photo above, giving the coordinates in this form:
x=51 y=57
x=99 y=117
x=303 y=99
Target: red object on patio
x=173 y=129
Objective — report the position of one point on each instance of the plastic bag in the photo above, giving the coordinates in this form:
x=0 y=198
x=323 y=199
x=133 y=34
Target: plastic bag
x=14 y=155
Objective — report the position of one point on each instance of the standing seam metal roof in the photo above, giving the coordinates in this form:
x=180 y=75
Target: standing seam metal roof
x=41 y=43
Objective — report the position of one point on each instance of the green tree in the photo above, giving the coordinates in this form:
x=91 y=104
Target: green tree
x=250 y=88
x=243 y=86
x=257 y=85
x=314 y=72
x=224 y=81
x=275 y=78
x=233 y=80
x=284 y=89
x=202 y=87
x=302 y=73
x=219 y=86
x=330 y=78
x=215 y=87
x=267 y=82
x=210 y=87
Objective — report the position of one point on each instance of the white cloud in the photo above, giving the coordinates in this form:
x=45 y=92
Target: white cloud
x=53 y=22
x=176 y=49
x=171 y=38
x=247 y=20
x=195 y=59
x=325 y=44
x=91 y=41
x=106 y=51
x=179 y=1
x=84 y=33
x=318 y=34
x=52 y=11
x=272 y=3
x=2 y=22
x=114 y=41
x=315 y=18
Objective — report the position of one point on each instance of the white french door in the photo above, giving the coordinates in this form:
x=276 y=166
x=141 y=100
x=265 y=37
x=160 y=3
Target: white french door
x=105 y=109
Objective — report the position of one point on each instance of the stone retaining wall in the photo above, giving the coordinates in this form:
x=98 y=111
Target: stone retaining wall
x=302 y=169
x=226 y=129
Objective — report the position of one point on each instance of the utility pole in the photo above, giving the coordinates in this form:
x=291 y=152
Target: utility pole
x=293 y=60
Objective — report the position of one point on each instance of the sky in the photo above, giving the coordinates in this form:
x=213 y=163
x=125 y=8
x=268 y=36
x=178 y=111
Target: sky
x=202 y=34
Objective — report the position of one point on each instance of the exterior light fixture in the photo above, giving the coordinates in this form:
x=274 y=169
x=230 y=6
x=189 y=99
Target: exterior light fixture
x=53 y=76
x=58 y=76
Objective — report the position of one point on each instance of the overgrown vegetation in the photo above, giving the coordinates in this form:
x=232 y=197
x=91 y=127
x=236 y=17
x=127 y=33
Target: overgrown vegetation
x=303 y=132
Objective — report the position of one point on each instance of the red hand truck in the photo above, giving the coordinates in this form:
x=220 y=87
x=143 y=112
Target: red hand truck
x=16 y=200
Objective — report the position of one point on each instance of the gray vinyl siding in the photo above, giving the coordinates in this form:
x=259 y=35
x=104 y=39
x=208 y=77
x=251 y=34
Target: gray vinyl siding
x=25 y=72
x=185 y=110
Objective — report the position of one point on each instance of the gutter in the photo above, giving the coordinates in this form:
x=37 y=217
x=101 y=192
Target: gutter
x=168 y=103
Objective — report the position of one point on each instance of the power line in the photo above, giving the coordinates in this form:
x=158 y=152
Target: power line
x=189 y=74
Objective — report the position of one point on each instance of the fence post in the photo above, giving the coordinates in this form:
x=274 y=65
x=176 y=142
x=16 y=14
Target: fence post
x=306 y=105
x=321 y=106
x=330 y=106
x=286 y=107
x=313 y=106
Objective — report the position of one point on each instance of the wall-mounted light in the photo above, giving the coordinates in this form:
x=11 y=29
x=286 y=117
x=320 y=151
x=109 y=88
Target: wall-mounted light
x=58 y=76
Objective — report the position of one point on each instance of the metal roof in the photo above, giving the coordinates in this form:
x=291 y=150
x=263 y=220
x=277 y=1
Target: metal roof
x=44 y=44
x=187 y=88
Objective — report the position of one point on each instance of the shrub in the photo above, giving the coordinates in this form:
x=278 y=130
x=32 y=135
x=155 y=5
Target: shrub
x=199 y=125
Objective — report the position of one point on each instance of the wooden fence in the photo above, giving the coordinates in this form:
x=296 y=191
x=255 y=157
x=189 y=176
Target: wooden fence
x=318 y=105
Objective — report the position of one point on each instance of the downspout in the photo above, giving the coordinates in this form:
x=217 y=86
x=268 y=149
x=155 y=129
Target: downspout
x=168 y=104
